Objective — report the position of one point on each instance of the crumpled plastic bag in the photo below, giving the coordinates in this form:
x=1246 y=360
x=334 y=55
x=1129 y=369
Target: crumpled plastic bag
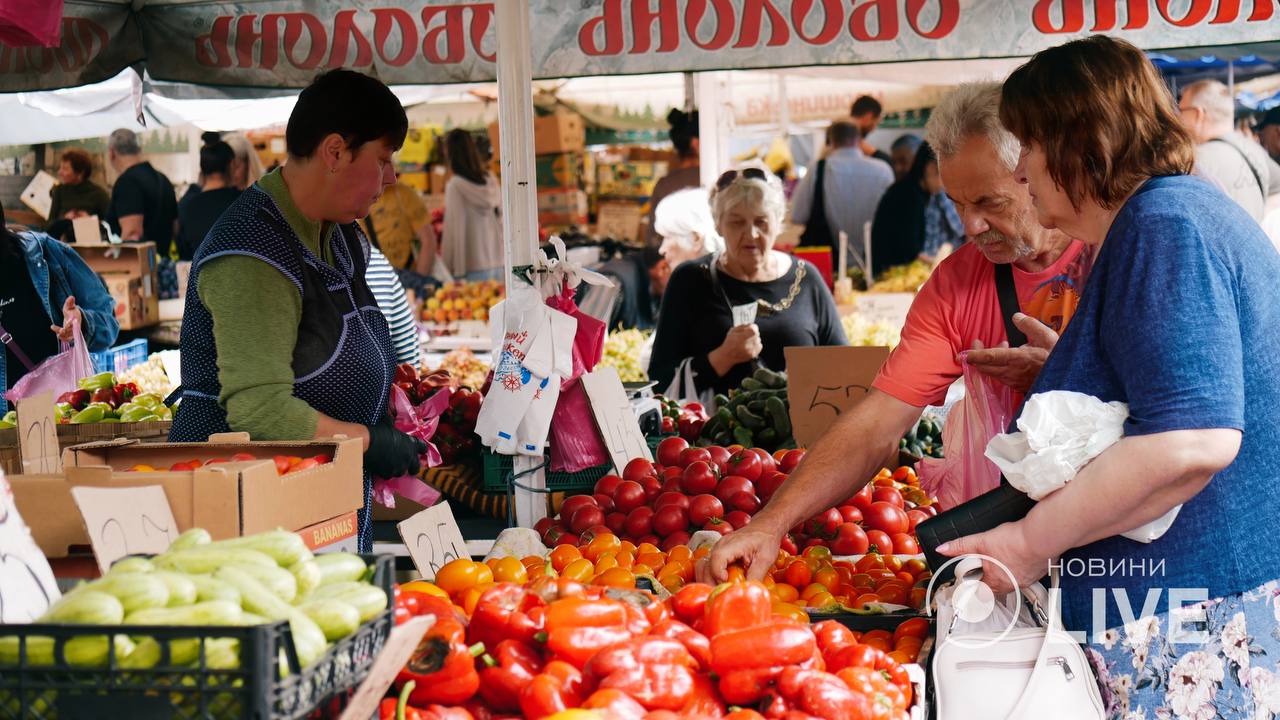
x=1059 y=432
x=420 y=422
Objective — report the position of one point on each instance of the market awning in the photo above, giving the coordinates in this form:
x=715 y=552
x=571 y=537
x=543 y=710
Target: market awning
x=284 y=43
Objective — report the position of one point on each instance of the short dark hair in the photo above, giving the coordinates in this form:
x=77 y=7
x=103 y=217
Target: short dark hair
x=842 y=133
x=1112 y=125
x=358 y=107
x=464 y=157
x=908 y=142
x=215 y=159
x=80 y=162
x=866 y=105
x=684 y=128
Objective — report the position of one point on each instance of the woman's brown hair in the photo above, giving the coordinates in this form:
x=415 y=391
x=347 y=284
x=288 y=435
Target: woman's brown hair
x=80 y=162
x=464 y=157
x=1105 y=121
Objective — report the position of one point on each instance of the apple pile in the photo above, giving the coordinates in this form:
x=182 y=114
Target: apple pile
x=664 y=502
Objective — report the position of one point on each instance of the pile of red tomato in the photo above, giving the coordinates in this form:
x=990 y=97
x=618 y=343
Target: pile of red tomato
x=881 y=517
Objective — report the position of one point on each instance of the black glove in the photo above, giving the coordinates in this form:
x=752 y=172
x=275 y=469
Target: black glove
x=392 y=453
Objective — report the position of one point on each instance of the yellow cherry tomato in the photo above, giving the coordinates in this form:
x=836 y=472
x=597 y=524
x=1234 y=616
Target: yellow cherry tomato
x=790 y=611
x=616 y=578
x=423 y=586
x=509 y=569
x=459 y=575
x=580 y=570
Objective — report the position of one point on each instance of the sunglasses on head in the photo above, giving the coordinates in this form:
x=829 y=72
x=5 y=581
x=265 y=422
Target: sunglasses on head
x=748 y=173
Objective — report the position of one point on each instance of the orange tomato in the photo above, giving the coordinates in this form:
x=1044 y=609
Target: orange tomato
x=509 y=569
x=681 y=553
x=916 y=597
x=461 y=574
x=901 y=473
x=790 y=611
x=616 y=578
x=625 y=559
x=782 y=560
x=870 y=635
x=871 y=561
x=820 y=600
x=821 y=552
x=627 y=546
x=606 y=562
x=915 y=566
x=471 y=597
x=812 y=589
x=907 y=578
x=580 y=570
x=786 y=593
x=914 y=628
x=641 y=569
x=828 y=577
x=562 y=555
x=895 y=595
x=865 y=598
x=600 y=544
x=423 y=586
x=893 y=562
x=862 y=581
x=702 y=552
x=672 y=583
x=901 y=657
x=644 y=548
x=798 y=573
x=652 y=559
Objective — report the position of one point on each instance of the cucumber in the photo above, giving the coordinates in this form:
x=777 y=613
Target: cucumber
x=85 y=607
x=769 y=378
x=749 y=419
x=767 y=437
x=308 y=638
x=211 y=612
x=339 y=567
x=750 y=384
x=307 y=576
x=206 y=559
x=721 y=400
x=195 y=537
x=286 y=548
x=368 y=599
x=776 y=409
x=276 y=579
x=131 y=565
x=135 y=591
x=337 y=619
x=742 y=436
x=208 y=588
x=182 y=591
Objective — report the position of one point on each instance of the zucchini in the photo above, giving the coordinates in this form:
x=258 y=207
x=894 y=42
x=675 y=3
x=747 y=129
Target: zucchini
x=337 y=619
x=276 y=579
x=211 y=612
x=308 y=638
x=339 y=567
x=208 y=588
x=222 y=653
x=135 y=591
x=286 y=548
x=206 y=559
x=307 y=575
x=85 y=651
x=182 y=591
x=248 y=618
x=368 y=599
x=85 y=606
x=195 y=537
x=131 y=565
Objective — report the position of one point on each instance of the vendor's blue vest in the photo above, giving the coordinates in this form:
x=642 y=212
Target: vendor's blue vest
x=343 y=362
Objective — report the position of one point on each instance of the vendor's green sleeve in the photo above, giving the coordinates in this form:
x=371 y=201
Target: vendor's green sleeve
x=256 y=311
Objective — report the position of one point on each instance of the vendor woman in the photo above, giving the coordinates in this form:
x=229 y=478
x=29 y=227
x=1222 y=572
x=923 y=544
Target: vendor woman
x=282 y=337
x=791 y=303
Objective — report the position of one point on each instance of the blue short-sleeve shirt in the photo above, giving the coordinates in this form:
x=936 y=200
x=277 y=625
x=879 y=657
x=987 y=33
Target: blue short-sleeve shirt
x=1181 y=320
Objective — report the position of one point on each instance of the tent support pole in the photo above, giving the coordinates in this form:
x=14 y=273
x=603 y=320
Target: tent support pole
x=519 y=190
x=715 y=124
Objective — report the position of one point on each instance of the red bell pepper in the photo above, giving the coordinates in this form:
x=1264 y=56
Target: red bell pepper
x=656 y=612
x=704 y=701
x=510 y=667
x=778 y=643
x=832 y=637
x=615 y=704
x=865 y=656
x=695 y=642
x=689 y=604
x=885 y=696
x=823 y=695
x=557 y=688
x=747 y=687
x=657 y=687
x=442 y=666
x=737 y=606
x=578 y=628
x=503 y=613
x=640 y=652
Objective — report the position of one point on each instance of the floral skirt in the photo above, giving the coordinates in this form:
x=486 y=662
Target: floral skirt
x=1150 y=670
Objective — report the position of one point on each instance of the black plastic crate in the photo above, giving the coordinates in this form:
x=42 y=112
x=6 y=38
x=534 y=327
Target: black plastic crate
x=498 y=469
x=255 y=690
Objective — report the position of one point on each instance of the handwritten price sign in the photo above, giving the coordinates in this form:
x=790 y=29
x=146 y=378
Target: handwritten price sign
x=433 y=539
x=125 y=521
x=38 y=435
x=825 y=382
x=27 y=587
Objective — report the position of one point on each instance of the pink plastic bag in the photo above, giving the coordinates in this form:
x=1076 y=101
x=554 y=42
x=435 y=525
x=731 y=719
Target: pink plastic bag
x=575 y=442
x=30 y=23
x=983 y=413
x=420 y=422
x=58 y=374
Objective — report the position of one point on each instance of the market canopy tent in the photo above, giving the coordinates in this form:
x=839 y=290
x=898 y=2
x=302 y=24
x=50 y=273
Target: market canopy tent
x=284 y=43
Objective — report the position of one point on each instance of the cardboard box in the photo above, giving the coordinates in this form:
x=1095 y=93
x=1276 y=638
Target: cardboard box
x=558 y=133
x=560 y=208
x=228 y=500
x=333 y=535
x=131 y=301
x=560 y=171
x=630 y=179
x=129 y=271
x=620 y=220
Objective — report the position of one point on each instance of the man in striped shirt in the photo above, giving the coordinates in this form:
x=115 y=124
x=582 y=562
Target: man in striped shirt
x=391 y=298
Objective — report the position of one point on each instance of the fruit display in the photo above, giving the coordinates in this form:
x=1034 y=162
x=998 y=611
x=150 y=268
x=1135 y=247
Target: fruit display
x=903 y=278
x=555 y=648
x=622 y=350
x=757 y=413
x=864 y=333
x=925 y=439
x=101 y=398
x=880 y=518
x=687 y=419
x=821 y=582
x=150 y=376
x=285 y=464
x=455 y=435
x=465 y=369
x=463 y=301
x=196 y=582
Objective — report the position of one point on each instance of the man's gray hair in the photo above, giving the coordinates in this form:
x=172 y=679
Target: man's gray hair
x=125 y=142
x=972 y=109
x=1213 y=97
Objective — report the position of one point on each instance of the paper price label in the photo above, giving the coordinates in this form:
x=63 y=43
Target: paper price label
x=395 y=653
x=125 y=521
x=824 y=382
x=744 y=314
x=27 y=587
x=433 y=539
x=617 y=421
x=38 y=435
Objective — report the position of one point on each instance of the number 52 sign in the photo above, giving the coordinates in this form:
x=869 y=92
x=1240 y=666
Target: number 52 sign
x=433 y=539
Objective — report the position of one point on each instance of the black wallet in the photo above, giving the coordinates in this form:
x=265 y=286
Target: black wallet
x=989 y=510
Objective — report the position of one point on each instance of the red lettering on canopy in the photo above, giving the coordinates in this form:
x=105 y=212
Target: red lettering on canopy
x=749 y=34
x=451 y=29
x=948 y=18
x=833 y=20
x=385 y=20
x=723 y=23
x=345 y=31
x=1072 y=16
x=886 y=20
x=294 y=24
x=247 y=37
x=642 y=20
x=211 y=49
x=481 y=16
x=82 y=40
x=610 y=21
x=1262 y=10
x=1229 y=10
x=1195 y=14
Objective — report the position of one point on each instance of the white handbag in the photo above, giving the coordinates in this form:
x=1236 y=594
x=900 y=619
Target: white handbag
x=1027 y=668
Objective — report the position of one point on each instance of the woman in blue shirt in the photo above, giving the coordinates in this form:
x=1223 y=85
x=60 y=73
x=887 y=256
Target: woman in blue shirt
x=1178 y=320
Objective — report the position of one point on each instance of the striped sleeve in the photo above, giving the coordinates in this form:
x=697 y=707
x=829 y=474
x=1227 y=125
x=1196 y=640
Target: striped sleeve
x=389 y=292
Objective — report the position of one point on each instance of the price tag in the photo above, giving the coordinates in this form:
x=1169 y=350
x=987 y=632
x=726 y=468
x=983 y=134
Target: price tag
x=27 y=587
x=744 y=314
x=125 y=521
x=825 y=382
x=395 y=653
x=619 y=426
x=433 y=539
x=38 y=435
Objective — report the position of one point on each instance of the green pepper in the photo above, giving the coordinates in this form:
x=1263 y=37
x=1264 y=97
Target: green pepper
x=92 y=414
x=135 y=413
x=98 y=382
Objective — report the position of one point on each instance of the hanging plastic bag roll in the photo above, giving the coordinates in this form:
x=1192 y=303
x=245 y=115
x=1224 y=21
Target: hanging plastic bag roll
x=58 y=374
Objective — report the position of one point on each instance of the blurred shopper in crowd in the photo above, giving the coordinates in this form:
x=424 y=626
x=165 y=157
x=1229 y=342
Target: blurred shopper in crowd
x=1236 y=163
x=684 y=227
x=915 y=218
x=472 y=235
x=685 y=172
x=902 y=153
x=75 y=195
x=143 y=204
x=1268 y=130
x=865 y=114
x=841 y=191
x=197 y=213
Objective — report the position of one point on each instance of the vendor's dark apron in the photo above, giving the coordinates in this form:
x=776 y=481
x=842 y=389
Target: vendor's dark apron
x=343 y=360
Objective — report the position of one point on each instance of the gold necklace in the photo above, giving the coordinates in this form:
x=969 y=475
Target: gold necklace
x=785 y=303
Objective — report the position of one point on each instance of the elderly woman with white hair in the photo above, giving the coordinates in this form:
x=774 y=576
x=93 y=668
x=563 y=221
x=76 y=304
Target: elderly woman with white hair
x=791 y=305
x=684 y=225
